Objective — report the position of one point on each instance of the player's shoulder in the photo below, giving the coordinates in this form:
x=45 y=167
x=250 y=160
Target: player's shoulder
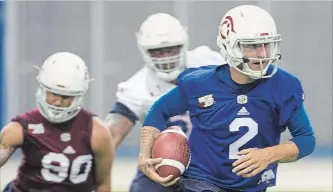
x=284 y=86
x=286 y=79
x=135 y=88
x=135 y=80
x=86 y=113
x=284 y=75
x=197 y=74
x=203 y=55
x=32 y=115
x=204 y=50
x=100 y=135
x=99 y=125
x=12 y=134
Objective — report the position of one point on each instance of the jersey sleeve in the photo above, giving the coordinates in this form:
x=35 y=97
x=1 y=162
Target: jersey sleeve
x=129 y=97
x=120 y=108
x=292 y=100
x=192 y=74
x=176 y=101
x=302 y=132
x=171 y=104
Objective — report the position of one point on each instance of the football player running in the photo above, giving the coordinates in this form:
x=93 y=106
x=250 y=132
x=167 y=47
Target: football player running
x=238 y=112
x=65 y=147
x=163 y=43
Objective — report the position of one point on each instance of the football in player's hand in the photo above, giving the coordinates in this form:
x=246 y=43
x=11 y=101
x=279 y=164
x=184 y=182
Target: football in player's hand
x=171 y=145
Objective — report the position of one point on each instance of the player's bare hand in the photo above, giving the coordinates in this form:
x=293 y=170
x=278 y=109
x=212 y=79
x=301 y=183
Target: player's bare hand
x=251 y=162
x=147 y=166
x=170 y=183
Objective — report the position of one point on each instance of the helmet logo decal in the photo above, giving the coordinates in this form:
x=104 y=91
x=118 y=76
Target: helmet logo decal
x=264 y=34
x=230 y=26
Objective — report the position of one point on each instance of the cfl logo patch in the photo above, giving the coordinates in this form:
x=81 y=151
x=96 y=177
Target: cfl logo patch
x=241 y=99
x=206 y=101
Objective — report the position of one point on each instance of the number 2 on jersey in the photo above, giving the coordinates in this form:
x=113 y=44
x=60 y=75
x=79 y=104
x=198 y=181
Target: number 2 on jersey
x=234 y=126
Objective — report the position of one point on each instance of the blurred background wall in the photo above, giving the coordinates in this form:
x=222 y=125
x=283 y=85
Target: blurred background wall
x=103 y=33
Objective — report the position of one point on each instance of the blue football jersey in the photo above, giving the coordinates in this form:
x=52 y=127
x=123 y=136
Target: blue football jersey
x=228 y=117
x=182 y=121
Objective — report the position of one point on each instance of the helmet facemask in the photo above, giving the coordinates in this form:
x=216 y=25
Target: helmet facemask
x=57 y=114
x=167 y=61
x=252 y=57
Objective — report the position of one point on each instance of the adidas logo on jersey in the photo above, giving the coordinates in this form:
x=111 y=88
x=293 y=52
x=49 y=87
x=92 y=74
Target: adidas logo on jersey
x=69 y=150
x=243 y=111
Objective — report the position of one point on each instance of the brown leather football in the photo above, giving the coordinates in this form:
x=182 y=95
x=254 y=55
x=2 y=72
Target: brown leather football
x=172 y=145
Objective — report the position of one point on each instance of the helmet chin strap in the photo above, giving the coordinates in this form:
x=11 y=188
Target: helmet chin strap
x=169 y=76
x=172 y=75
x=254 y=74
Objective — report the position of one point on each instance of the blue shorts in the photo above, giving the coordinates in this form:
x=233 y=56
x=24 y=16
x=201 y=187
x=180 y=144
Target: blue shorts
x=194 y=185
x=186 y=184
x=142 y=183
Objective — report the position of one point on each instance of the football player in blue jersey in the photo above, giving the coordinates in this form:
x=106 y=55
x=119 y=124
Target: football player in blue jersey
x=162 y=41
x=238 y=112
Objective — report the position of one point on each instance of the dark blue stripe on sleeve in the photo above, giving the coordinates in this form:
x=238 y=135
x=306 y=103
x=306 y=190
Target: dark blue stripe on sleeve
x=125 y=111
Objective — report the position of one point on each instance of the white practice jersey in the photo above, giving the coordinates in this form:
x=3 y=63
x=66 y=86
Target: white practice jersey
x=141 y=90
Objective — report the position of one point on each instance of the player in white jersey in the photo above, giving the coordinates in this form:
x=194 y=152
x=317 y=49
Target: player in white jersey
x=163 y=43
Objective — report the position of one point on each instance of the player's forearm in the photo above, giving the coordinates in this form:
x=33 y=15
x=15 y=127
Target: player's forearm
x=5 y=150
x=148 y=135
x=5 y=153
x=284 y=153
x=11 y=137
x=119 y=126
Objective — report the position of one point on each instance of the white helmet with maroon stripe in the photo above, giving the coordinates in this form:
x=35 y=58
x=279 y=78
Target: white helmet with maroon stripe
x=249 y=28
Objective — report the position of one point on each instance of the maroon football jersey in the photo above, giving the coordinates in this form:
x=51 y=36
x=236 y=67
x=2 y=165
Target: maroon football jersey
x=56 y=157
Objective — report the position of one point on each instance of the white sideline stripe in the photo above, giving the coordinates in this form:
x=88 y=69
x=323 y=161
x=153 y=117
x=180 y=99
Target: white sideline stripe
x=173 y=163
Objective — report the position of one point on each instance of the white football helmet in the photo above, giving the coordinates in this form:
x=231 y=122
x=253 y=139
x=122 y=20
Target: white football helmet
x=249 y=25
x=65 y=74
x=162 y=30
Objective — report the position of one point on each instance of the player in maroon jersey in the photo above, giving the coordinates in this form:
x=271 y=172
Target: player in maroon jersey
x=65 y=147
